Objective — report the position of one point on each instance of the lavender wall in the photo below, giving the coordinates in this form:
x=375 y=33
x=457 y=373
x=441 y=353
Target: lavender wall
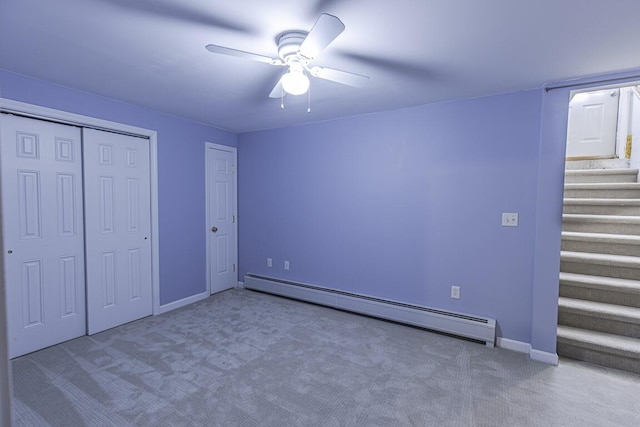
x=402 y=205
x=181 y=182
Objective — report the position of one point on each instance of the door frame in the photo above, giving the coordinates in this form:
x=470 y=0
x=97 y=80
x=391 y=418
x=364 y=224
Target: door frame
x=6 y=381
x=64 y=117
x=234 y=151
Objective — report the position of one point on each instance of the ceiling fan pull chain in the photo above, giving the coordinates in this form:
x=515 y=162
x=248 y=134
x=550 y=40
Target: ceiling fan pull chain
x=282 y=99
x=309 y=100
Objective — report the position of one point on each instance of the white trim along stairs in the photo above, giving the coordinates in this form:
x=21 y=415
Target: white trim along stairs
x=599 y=303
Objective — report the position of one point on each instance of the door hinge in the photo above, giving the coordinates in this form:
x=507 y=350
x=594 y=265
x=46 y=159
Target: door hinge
x=233 y=218
x=234 y=268
x=233 y=168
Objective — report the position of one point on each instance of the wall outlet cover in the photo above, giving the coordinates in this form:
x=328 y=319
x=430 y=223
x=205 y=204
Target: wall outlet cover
x=455 y=292
x=509 y=219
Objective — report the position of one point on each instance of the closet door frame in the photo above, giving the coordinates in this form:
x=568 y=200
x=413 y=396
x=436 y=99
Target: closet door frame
x=44 y=113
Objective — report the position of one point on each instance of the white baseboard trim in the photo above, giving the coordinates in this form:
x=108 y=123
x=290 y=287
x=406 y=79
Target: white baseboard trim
x=524 y=347
x=513 y=345
x=543 y=356
x=182 y=302
x=240 y=285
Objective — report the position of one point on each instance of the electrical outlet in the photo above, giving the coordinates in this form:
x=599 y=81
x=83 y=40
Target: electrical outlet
x=286 y=265
x=269 y=262
x=509 y=219
x=455 y=292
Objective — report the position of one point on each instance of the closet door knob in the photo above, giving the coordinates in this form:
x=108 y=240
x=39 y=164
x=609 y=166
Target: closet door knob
x=214 y=229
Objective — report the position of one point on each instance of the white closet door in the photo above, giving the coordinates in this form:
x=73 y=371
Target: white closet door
x=43 y=232
x=118 y=228
x=222 y=238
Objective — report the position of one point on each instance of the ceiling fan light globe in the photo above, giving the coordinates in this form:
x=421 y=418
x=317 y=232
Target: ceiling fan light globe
x=295 y=83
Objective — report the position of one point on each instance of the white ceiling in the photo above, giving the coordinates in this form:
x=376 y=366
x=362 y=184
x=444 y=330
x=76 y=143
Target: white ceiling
x=151 y=52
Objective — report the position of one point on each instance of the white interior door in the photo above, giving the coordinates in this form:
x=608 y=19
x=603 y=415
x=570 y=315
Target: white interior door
x=118 y=228
x=593 y=121
x=221 y=218
x=43 y=232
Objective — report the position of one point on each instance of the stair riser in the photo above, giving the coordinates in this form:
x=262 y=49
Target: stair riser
x=619 y=177
x=601 y=247
x=601 y=227
x=595 y=193
x=602 y=210
x=586 y=321
x=600 y=270
x=600 y=358
x=630 y=299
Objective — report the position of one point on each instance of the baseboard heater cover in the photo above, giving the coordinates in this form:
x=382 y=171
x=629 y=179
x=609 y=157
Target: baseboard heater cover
x=474 y=327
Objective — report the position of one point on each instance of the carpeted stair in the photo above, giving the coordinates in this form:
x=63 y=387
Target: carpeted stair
x=599 y=304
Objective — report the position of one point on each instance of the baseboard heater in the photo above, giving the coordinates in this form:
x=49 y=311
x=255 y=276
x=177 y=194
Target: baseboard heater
x=477 y=328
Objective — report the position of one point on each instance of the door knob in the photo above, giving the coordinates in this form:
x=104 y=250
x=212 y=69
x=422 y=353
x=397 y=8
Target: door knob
x=214 y=229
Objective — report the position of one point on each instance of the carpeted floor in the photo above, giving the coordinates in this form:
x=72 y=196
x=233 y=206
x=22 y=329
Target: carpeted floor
x=242 y=358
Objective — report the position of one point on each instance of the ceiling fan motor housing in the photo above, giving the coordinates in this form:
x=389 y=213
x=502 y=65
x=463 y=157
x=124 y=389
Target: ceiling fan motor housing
x=289 y=45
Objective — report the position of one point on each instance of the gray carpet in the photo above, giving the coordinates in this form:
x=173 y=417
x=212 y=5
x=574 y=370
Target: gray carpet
x=242 y=358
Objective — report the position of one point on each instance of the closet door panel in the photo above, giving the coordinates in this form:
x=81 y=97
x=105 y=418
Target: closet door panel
x=118 y=228
x=42 y=229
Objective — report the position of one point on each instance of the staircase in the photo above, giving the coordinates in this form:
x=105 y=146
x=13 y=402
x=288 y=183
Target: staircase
x=599 y=303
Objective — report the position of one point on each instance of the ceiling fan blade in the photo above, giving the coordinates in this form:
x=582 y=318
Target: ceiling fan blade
x=411 y=69
x=338 y=76
x=278 y=91
x=324 y=31
x=168 y=9
x=242 y=54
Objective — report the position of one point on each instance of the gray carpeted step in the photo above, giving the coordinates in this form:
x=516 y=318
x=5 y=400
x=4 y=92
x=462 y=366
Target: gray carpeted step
x=597 y=206
x=598 y=347
x=610 y=224
x=598 y=316
x=599 y=303
x=613 y=244
x=600 y=289
x=600 y=175
x=621 y=266
x=621 y=190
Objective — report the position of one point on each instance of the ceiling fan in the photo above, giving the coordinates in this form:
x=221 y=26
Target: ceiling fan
x=296 y=50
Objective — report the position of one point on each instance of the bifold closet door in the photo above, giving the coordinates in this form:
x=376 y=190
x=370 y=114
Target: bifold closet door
x=42 y=228
x=117 y=228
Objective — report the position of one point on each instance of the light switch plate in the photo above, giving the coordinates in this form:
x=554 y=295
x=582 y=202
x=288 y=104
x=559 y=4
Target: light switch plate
x=509 y=219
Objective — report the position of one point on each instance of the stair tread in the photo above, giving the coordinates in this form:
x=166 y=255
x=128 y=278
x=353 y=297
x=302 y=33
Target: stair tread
x=602 y=282
x=617 y=171
x=601 y=309
x=618 y=344
x=601 y=237
x=621 y=219
x=602 y=185
x=601 y=259
x=600 y=201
